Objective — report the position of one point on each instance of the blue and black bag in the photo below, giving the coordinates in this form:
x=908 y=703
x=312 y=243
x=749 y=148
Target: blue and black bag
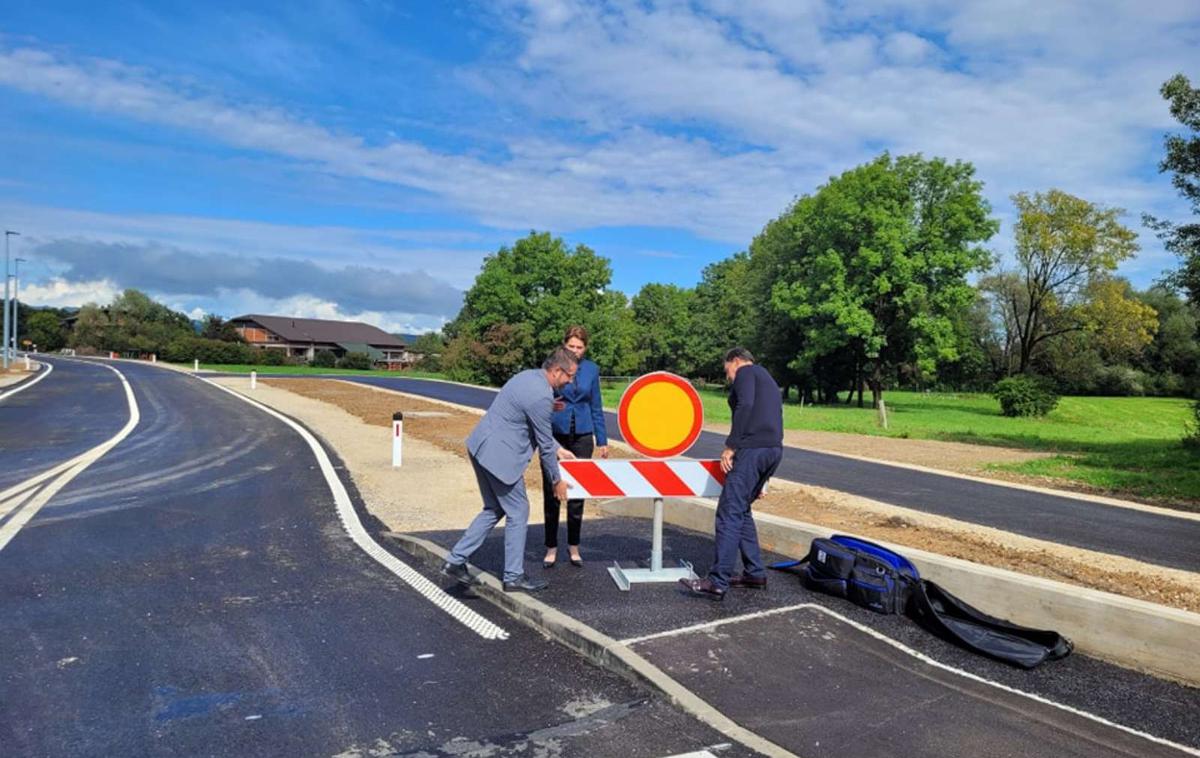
x=874 y=577
x=862 y=572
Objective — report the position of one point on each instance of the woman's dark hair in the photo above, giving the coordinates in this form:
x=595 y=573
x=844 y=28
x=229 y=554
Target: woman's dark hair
x=738 y=353
x=577 y=332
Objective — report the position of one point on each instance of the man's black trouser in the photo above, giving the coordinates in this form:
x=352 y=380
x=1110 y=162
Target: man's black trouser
x=735 y=531
x=581 y=445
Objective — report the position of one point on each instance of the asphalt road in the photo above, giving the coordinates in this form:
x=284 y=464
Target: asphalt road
x=90 y=408
x=194 y=593
x=1151 y=537
x=818 y=675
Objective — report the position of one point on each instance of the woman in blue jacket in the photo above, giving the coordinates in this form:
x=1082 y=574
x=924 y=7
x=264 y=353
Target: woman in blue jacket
x=579 y=427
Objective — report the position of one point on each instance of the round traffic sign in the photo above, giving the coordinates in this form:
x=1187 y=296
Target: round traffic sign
x=660 y=415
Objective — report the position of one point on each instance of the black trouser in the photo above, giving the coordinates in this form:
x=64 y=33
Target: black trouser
x=581 y=445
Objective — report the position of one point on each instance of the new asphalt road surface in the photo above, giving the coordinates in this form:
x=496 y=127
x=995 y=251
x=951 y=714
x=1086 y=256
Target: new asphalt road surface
x=1147 y=536
x=204 y=586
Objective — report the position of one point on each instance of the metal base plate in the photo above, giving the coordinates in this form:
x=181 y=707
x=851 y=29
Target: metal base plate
x=625 y=577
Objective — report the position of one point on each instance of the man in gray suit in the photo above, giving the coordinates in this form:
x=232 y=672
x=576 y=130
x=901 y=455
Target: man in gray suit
x=500 y=448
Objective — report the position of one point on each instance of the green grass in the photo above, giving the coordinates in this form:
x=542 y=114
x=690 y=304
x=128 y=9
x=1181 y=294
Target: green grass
x=241 y=368
x=1125 y=445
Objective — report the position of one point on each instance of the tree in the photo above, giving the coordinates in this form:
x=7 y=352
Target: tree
x=1121 y=326
x=722 y=314
x=91 y=328
x=430 y=346
x=876 y=262
x=662 y=313
x=45 y=330
x=1064 y=244
x=139 y=324
x=216 y=328
x=1182 y=160
x=540 y=286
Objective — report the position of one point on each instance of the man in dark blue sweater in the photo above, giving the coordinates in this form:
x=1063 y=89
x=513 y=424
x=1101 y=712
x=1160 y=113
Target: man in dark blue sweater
x=753 y=450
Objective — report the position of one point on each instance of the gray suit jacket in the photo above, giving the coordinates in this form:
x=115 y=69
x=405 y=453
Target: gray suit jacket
x=518 y=421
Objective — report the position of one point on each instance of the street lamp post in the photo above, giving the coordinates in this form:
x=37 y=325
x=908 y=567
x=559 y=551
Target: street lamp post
x=16 y=317
x=7 y=325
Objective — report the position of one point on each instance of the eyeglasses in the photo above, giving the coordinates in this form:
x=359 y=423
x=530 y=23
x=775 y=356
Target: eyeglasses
x=570 y=375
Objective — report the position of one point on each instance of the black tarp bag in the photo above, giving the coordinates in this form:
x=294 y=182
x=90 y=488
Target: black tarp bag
x=850 y=568
x=950 y=618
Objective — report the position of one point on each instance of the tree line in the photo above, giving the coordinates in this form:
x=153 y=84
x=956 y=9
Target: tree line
x=880 y=278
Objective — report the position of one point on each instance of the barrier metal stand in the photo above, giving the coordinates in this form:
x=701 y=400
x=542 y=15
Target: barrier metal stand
x=656 y=573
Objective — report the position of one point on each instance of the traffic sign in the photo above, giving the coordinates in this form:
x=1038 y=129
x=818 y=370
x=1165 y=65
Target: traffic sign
x=660 y=415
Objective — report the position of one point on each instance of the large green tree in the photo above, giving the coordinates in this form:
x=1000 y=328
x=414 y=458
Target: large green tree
x=536 y=288
x=1065 y=245
x=44 y=329
x=1182 y=161
x=876 y=263
x=722 y=314
x=663 y=315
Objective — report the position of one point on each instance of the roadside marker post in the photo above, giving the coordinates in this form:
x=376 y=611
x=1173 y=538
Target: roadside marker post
x=253 y=379
x=154 y=357
x=397 y=438
x=660 y=416
x=27 y=367
x=195 y=364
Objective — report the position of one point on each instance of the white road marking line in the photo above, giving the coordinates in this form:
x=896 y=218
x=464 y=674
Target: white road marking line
x=14 y=503
x=695 y=754
x=924 y=659
x=68 y=471
x=358 y=533
x=41 y=375
x=720 y=622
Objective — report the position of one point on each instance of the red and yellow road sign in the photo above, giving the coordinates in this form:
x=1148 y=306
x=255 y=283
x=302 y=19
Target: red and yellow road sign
x=660 y=415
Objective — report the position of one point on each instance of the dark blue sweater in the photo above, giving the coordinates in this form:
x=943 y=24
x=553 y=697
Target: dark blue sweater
x=757 y=406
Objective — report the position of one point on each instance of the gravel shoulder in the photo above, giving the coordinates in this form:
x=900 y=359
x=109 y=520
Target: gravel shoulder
x=435 y=488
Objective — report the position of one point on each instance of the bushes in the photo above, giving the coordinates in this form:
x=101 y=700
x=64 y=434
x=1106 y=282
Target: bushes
x=1023 y=395
x=360 y=361
x=186 y=349
x=264 y=357
x=1120 y=381
x=324 y=359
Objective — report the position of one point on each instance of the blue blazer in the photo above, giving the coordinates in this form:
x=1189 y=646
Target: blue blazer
x=583 y=401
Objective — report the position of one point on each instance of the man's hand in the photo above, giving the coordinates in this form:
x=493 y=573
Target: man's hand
x=565 y=454
x=727 y=460
x=560 y=489
x=602 y=451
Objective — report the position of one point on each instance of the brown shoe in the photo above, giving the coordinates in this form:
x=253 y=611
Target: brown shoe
x=747 y=582
x=703 y=588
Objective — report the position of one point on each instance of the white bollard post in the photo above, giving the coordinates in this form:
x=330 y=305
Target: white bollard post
x=154 y=357
x=397 y=438
x=195 y=364
x=253 y=379
x=27 y=361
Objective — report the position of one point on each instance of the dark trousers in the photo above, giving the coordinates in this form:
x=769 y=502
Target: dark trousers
x=735 y=531
x=581 y=445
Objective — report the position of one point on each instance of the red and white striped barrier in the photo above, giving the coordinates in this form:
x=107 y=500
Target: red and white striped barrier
x=642 y=478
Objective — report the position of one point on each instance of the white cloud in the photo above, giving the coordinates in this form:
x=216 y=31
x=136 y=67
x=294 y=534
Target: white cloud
x=59 y=293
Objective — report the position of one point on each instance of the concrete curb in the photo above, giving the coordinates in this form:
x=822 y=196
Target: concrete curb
x=600 y=649
x=1132 y=633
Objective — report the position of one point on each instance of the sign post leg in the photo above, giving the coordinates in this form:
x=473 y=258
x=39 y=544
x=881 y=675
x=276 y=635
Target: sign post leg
x=656 y=549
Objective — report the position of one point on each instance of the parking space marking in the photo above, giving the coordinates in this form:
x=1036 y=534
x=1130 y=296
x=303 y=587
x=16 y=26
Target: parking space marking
x=921 y=657
x=358 y=533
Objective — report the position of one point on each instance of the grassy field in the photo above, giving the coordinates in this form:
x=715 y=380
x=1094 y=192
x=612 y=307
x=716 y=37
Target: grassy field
x=239 y=368
x=1124 y=445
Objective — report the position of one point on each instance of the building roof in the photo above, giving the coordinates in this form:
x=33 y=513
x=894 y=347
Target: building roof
x=322 y=330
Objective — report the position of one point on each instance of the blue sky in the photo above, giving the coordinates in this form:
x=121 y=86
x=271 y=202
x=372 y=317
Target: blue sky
x=358 y=159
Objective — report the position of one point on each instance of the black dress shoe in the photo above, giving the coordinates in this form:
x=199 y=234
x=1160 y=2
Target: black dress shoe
x=747 y=582
x=458 y=572
x=549 y=564
x=524 y=584
x=703 y=588
x=577 y=562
